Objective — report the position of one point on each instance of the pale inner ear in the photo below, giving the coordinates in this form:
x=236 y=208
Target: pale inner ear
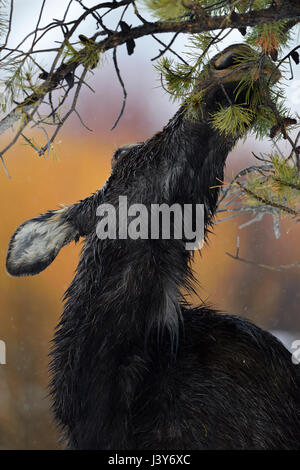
x=36 y=243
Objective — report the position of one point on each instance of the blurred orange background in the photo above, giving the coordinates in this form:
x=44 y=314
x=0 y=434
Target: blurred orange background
x=30 y=307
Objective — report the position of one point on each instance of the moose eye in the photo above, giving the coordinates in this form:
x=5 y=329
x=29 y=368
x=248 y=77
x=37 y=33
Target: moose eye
x=226 y=62
x=120 y=153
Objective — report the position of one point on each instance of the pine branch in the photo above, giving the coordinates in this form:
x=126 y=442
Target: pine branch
x=267 y=202
x=289 y=10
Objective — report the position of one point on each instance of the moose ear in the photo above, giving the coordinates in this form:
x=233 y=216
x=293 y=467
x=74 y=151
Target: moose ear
x=37 y=241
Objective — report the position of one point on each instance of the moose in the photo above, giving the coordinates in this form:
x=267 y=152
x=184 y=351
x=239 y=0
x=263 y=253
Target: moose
x=133 y=364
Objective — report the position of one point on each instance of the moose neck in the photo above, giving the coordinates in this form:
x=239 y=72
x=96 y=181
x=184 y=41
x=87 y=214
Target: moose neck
x=127 y=293
x=194 y=158
x=127 y=289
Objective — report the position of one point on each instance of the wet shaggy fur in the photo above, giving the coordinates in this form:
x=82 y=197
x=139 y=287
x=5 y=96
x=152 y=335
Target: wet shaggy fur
x=133 y=366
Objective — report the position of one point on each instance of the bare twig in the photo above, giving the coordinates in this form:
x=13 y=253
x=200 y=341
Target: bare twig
x=123 y=88
x=282 y=267
x=167 y=48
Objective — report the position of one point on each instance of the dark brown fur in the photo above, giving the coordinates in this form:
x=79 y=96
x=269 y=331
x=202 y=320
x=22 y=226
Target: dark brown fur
x=133 y=365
